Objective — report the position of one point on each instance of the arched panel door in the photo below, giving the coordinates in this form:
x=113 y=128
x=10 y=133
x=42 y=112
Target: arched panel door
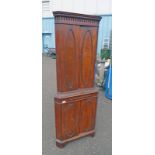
x=70 y=119
x=88 y=114
x=70 y=61
x=86 y=58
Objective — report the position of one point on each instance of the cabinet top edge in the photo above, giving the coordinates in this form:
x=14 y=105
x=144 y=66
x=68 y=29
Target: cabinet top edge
x=76 y=15
x=79 y=92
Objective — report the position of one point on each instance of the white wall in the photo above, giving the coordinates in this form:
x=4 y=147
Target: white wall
x=97 y=7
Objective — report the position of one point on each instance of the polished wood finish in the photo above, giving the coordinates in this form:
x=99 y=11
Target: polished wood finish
x=76 y=98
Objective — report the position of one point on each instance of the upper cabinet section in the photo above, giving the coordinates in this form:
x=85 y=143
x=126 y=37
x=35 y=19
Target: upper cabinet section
x=76 y=18
x=76 y=39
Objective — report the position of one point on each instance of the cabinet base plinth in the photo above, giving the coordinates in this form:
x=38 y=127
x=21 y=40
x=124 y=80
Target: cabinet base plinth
x=62 y=143
x=93 y=134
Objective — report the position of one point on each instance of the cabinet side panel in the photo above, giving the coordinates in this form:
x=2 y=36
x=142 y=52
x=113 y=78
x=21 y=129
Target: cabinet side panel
x=58 y=120
x=59 y=48
x=94 y=41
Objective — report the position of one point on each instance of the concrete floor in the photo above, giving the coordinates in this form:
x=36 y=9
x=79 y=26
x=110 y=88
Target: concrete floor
x=101 y=144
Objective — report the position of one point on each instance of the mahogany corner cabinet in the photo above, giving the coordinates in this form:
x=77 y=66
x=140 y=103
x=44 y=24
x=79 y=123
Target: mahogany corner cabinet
x=76 y=98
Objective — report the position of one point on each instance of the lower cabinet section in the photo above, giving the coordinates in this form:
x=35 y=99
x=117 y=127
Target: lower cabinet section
x=75 y=117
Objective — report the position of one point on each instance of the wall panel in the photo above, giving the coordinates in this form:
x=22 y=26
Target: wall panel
x=81 y=6
x=104 y=31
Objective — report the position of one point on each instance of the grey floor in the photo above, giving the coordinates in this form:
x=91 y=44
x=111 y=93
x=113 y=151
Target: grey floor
x=101 y=144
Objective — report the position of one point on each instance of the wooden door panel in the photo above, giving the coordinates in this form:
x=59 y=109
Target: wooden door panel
x=70 y=119
x=87 y=56
x=88 y=113
x=67 y=60
x=70 y=61
x=70 y=58
x=86 y=59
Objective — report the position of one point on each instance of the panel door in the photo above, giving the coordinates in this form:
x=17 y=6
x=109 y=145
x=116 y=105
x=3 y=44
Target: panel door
x=67 y=57
x=70 y=119
x=88 y=41
x=88 y=115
